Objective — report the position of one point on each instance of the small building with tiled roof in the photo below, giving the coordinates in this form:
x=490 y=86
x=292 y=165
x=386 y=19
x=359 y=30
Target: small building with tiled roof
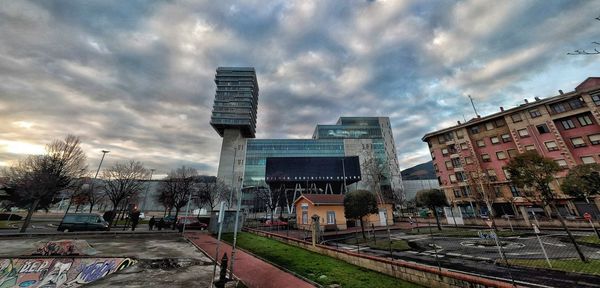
x=330 y=209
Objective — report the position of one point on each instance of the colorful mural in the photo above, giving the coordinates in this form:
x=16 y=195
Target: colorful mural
x=64 y=248
x=57 y=272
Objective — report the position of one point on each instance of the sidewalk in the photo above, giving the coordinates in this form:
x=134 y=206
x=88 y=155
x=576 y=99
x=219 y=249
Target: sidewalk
x=254 y=272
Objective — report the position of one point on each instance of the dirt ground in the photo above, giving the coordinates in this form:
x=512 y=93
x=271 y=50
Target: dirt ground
x=164 y=260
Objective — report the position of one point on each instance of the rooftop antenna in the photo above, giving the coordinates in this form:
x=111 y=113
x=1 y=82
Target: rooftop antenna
x=464 y=118
x=473 y=104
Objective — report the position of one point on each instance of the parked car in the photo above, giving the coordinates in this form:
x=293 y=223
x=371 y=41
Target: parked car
x=169 y=221
x=191 y=222
x=82 y=222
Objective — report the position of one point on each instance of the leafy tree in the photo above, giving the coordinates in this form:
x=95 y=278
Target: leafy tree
x=534 y=171
x=432 y=198
x=582 y=181
x=358 y=204
x=122 y=181
x=37 y=180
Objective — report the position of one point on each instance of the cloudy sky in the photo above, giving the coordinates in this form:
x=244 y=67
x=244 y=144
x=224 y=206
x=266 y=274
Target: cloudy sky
x=136 y=77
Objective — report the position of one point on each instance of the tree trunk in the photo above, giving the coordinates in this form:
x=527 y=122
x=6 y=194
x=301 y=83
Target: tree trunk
x=437 y=219
x=91 y=207
x=29 y=214
x=362 y=227
x=175 y=222
x=562 y=222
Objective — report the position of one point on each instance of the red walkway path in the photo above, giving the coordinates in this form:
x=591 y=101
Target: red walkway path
x=254 y=272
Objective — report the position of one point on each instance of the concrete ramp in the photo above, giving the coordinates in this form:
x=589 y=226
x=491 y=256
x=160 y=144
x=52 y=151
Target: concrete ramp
x=57 y=271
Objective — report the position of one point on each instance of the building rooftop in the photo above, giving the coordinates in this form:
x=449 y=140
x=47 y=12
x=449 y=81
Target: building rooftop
x=323 y=199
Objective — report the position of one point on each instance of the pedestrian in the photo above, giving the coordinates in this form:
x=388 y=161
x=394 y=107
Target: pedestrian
x=151 y=223
x=135 y=218
x=161 y=224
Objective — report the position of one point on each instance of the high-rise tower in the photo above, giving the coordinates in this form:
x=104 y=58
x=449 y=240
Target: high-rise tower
x=234 y=118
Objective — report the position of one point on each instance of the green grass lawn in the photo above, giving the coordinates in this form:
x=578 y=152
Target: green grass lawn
x=381 y=243
x=312 y=265
x=592 y=239
x=568 y=265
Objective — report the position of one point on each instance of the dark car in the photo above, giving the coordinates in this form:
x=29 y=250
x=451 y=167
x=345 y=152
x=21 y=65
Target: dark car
x=82 y=222
x=191 y=222
x=168 y=221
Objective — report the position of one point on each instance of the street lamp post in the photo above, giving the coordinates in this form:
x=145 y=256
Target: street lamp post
x=104 y=152
x=146 y=194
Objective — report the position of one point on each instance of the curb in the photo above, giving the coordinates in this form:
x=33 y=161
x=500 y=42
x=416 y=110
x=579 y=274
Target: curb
x=211 y=258
x=104 y=233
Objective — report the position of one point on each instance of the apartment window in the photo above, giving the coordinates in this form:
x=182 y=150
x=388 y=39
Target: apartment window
x=558 y=108
x=516 y=117
x=465 y=191
x=474 y=175
x=435 y=167
x=588 y=159
x=452 y=149
x=499 y=122
x=494 y=140
x=240 y=162
x=444 y=151
x=456 y=193
x=551 y=145
x=505 y=138
x=523 y=133
x=459 y=134
x=596 y=99
x=489 y=126
x=515 y=191
x=480 y=143
x=506 y=173
x=543 y=129
x=594 y=139
x=461 y=176
x=474 y=129
x=567 y=124
x=456 y=162
x=501 y=155
x=492 y=175
x=330 y=217
x=529 y=147
x=452 y=178
x=449 y=165
x=469 y=160
x=562 y=163
x=585 y=120
x=464 y=146
x=578 y=142
x=498 y=191
x=535 y=113
x=575 y=103
x=441 y=139
x=485 y=158
x=512 y=153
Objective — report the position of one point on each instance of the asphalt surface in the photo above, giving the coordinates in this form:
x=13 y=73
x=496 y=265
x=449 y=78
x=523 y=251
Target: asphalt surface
x=465 y=256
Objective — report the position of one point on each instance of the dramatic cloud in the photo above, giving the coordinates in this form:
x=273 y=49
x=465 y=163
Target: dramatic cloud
x=136 y=77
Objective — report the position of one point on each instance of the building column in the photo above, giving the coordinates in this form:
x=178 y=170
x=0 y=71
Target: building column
x=523 y=210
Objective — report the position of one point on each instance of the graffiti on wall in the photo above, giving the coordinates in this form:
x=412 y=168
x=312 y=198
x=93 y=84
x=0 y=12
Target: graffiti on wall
x=57 y=272
x=64 y=248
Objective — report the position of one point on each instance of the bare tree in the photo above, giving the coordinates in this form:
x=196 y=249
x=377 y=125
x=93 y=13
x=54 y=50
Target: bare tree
x=166 y=190
x=94 y=194
x=270 y=197
x=178 y=186
x=38 y=179
x=211 y=191
x=123 y=181
x=374 y=173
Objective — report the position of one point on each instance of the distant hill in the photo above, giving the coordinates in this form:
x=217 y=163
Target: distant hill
x=418 y=172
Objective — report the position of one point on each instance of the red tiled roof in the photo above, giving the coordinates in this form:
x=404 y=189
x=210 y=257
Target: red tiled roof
x=324 y=199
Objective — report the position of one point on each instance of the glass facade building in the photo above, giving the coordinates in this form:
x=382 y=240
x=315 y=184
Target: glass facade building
x=236 y=100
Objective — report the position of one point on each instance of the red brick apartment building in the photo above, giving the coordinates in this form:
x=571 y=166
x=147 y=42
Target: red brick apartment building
x=469 y=157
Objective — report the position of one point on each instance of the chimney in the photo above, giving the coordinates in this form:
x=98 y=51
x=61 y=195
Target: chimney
x=561 y=92
x=537 y=98
x=526 y=101
x=501 y=108
x=458 y=122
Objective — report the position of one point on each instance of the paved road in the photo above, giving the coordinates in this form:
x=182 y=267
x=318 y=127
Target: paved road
x=448 y=252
